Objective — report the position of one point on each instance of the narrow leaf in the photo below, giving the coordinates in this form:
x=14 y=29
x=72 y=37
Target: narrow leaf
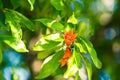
x=46 y=53
x=15 y=3
x=46 y=22
x=77 y=58
x=50 y=66
x=15 y=27
x=72 y=19
x=51 y=24
x=48 y=42
x=81 y=47
x=71 y=71
x=31 y=2
x=18 y=45
x=58 y=4
x=55 y=37
x=88 y=67
x=5 y=37
x=57 y=26
x=22 y=19
x=85 y=29
x=92 y=52
x=77 y=77
x=41 y=46
x=71 y=68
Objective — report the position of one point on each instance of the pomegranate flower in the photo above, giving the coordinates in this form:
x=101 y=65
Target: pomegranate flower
x=69 y=37
x=65 y=57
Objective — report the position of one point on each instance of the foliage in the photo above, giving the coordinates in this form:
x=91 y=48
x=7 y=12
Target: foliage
x=64 y=16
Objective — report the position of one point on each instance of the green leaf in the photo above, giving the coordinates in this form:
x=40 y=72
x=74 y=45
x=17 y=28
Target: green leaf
x=53 y=24
x=46 y=53
x=77 y=58
x=77 y=77
x=72 y=19
x=58 y=26
x=15 y=27
x=63 y=13
x=15 y=3
x=0 y=52
x=55 y=37
x=48 y=42
x=77 y=7
x=22 y=19
x=85 y=29
x=88 y=67
x=46 y=22
x=71 y=70
x=74 y=64
x=41 y=45
x=31 y=2
x=50 y=66
x=58 y=4
x=72 y=67
x=5 y=37
x=92 y=52
x=60 y=70
x=81 y=46
x=16 y=44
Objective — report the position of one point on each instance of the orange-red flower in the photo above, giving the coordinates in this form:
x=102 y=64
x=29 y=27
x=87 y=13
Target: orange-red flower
x=69 y=37
x=65 y=57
